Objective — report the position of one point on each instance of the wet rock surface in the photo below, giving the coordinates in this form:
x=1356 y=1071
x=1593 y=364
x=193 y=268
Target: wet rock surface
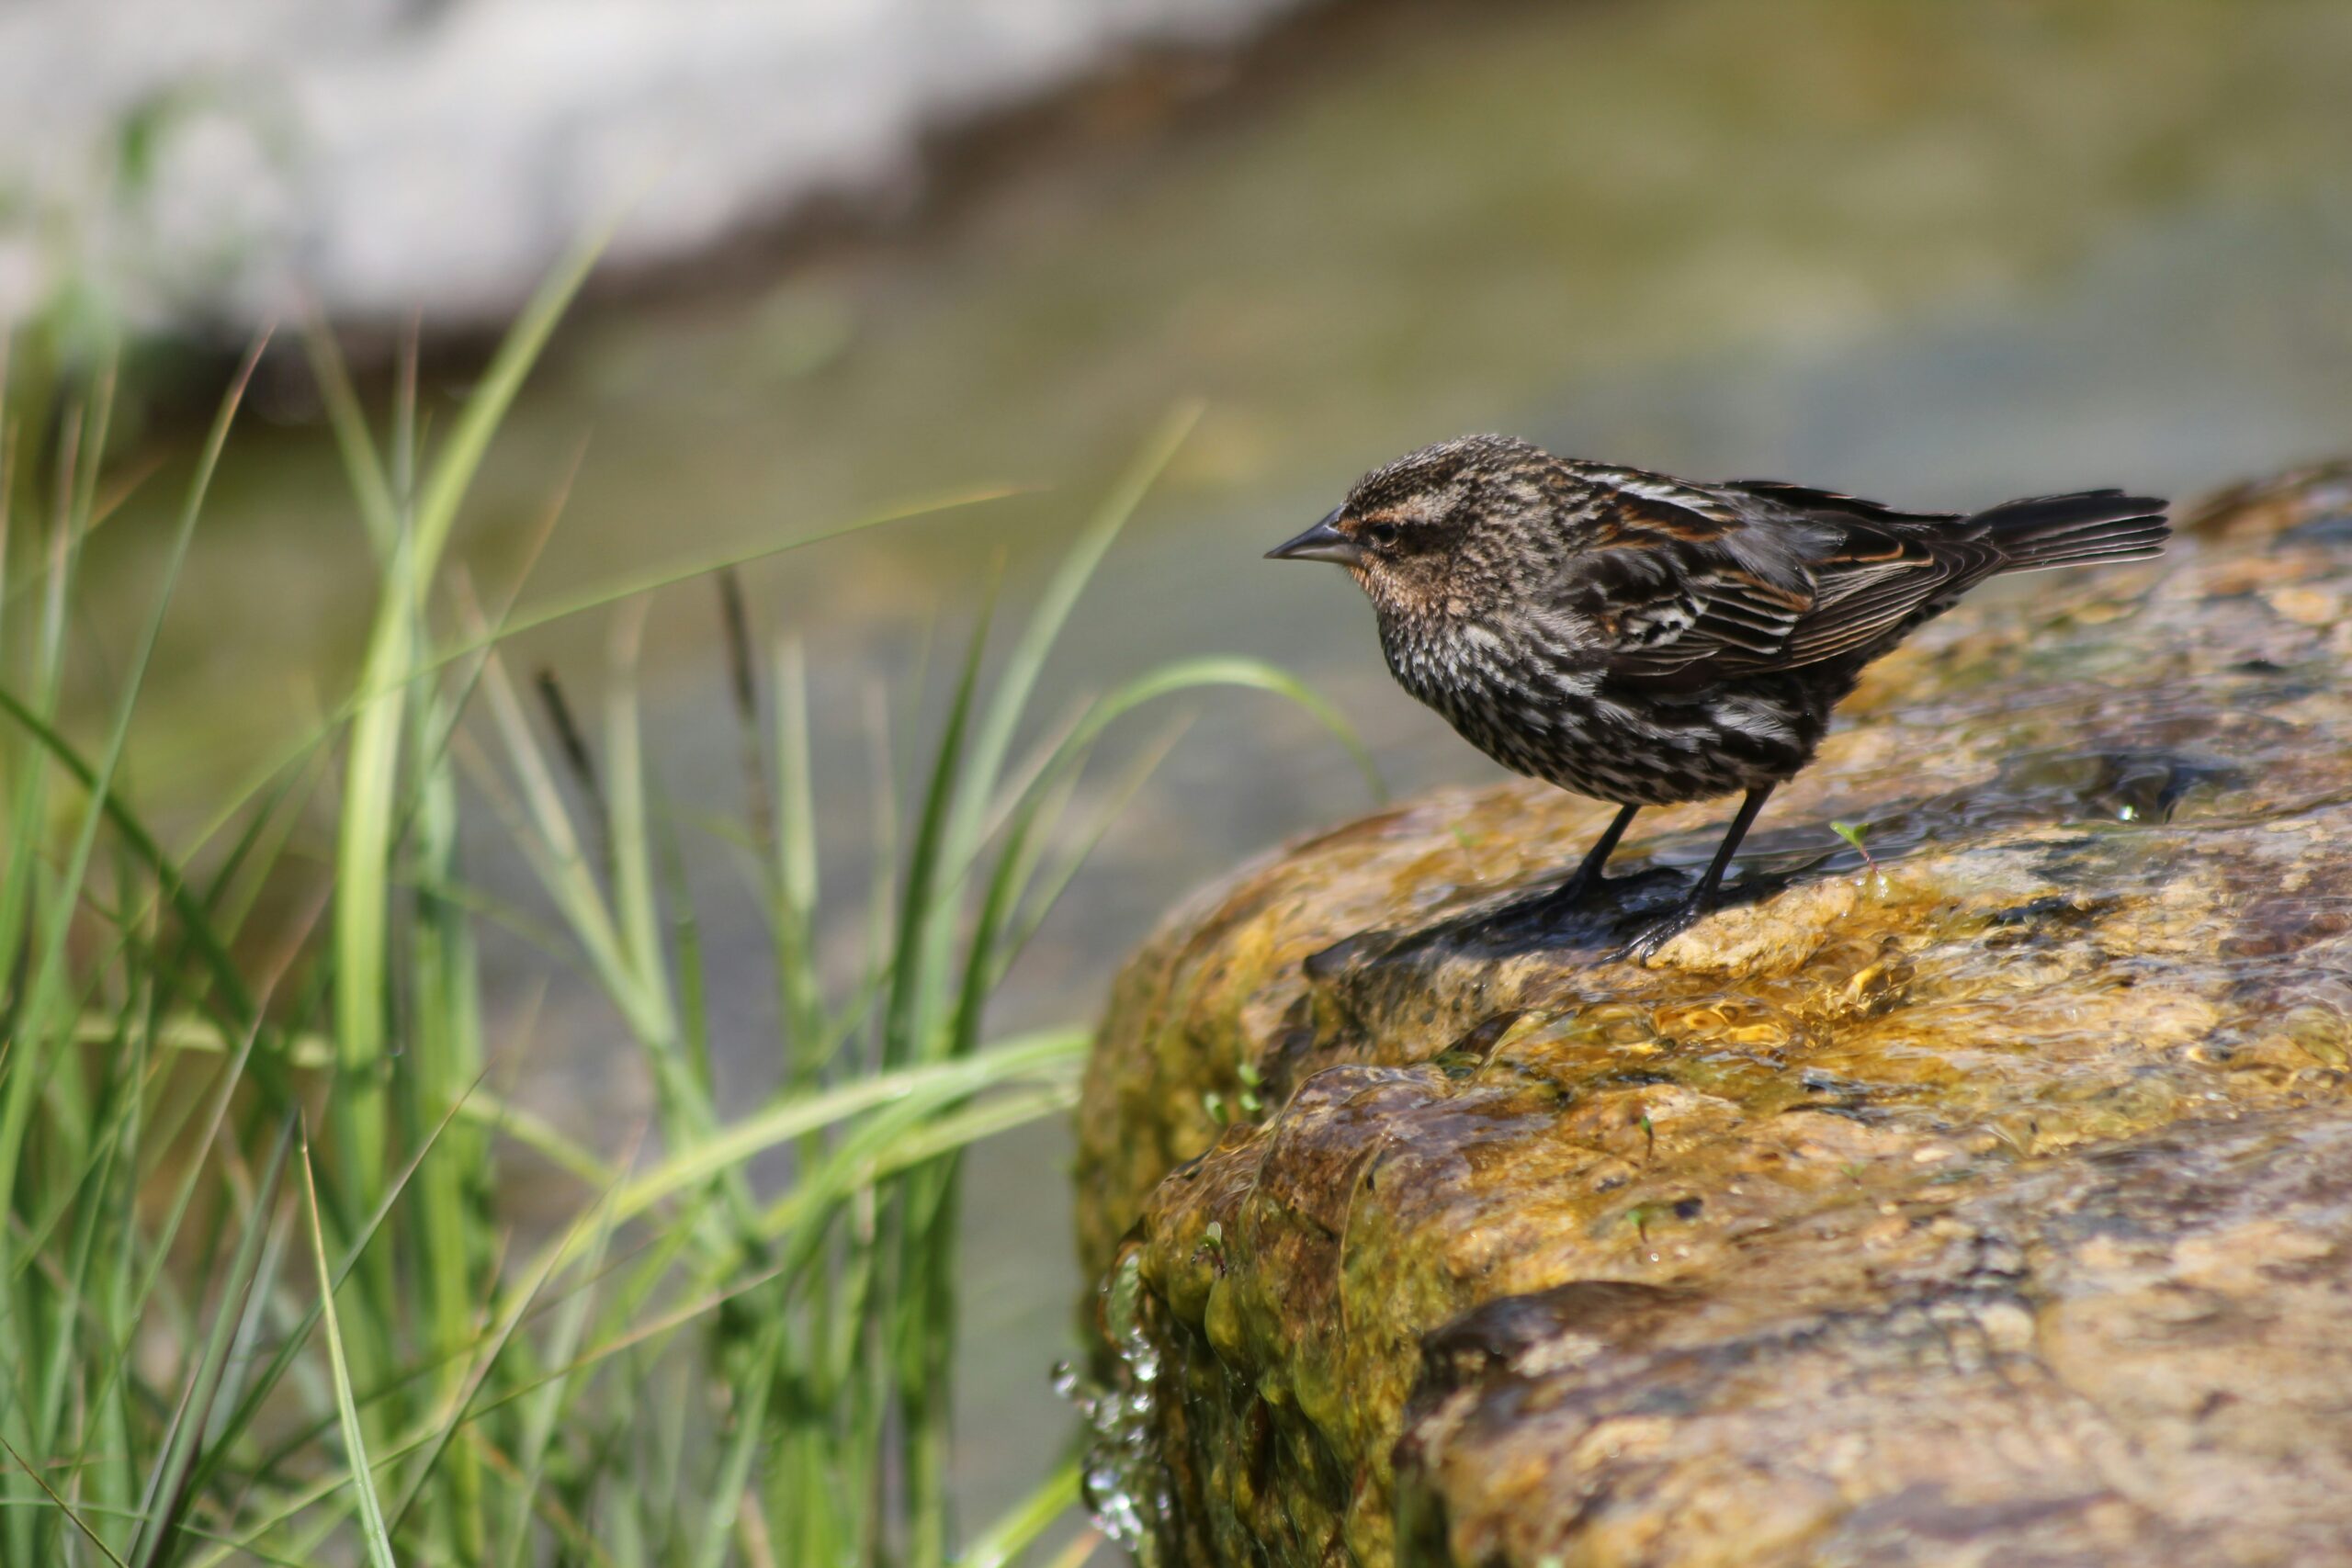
x=1987 y=1200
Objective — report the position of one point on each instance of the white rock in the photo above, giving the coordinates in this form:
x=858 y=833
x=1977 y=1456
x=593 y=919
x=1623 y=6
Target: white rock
x=385 y=156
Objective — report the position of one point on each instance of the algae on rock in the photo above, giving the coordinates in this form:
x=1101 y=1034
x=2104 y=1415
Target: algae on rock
x=1989 y=1199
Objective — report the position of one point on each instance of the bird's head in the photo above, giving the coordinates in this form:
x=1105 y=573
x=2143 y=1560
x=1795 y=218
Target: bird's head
x=1434 y=535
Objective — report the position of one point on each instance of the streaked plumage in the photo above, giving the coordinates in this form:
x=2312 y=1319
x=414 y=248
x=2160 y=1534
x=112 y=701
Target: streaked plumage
x=1646 y=640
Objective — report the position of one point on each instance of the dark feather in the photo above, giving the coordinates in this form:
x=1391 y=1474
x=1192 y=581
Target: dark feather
x=1840 y=576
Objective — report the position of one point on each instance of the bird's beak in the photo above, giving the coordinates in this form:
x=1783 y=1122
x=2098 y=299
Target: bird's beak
x=1322 y=542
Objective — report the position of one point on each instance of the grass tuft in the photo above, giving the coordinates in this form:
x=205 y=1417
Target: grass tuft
x=739 y=1348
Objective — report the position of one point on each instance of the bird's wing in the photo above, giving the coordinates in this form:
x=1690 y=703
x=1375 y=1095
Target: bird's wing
x=1806 y=502
x=1885 y=567
x=1767 y=577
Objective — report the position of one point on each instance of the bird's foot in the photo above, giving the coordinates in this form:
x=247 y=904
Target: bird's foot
x=1578 y=893
x=1646 y=936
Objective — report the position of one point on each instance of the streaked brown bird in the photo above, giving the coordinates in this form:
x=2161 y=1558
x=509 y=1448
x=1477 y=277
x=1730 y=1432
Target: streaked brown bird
x=1647 y=640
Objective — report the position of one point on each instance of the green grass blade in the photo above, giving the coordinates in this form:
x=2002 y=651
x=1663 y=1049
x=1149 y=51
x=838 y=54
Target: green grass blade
x=742 y=1445
x=636 y=906
x=1026 y=662
x=984 y=961
x=562 y=865
x=935 y=1134
x=794 y=873
x=134 y=833
x=363 y=841
x=167 y=1496
x=537 y=1134
x=1194 y=674
x=906 y=1019
x=452 y=473
x=540 y=1418
x=361 y=466
x=485 y=1363
x=247 y=1408
x=756 y=1133
x=1014 y=1530
x=1040 y=903
x=355 y=1446
x=62 y=1506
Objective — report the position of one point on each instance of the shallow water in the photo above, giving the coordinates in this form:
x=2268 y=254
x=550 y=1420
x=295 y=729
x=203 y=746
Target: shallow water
x=1940 y=255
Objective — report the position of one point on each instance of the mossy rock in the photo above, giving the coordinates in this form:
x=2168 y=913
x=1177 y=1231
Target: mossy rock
x=1987 y=1200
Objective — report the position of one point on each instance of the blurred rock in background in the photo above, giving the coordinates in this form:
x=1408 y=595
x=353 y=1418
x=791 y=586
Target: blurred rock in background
x=188 y=166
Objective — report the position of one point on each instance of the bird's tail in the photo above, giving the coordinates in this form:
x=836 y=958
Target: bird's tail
x=2069 y=530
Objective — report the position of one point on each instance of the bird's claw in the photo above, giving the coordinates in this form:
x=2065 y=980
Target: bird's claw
x=1649 y=936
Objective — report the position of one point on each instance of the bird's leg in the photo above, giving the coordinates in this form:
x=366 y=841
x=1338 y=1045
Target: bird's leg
x=1588 y=879
x=1654 y=933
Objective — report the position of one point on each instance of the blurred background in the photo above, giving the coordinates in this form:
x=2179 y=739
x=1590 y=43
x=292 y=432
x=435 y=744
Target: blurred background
x=872 y=251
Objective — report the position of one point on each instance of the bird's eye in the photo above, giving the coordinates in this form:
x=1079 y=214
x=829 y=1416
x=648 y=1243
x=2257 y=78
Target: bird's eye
x=1380 y=533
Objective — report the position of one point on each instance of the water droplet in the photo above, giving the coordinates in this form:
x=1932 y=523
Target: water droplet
x=1126 y=1484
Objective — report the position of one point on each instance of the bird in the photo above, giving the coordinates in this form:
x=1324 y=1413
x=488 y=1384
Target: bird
x=1647 y=640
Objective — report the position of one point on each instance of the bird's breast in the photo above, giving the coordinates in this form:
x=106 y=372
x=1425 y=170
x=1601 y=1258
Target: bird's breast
x=1467 y=668
x=1545 y=705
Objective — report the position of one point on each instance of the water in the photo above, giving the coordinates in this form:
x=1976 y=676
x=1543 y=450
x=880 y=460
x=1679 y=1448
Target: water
x=1126 y=1484
x=1938 y=255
